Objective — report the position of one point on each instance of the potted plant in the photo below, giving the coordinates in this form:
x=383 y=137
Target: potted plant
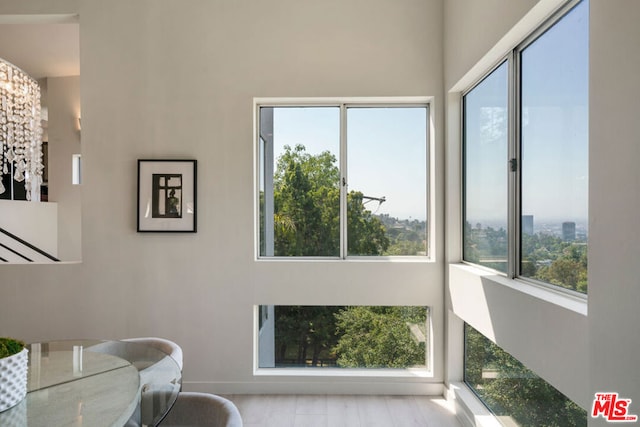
x=13 y=372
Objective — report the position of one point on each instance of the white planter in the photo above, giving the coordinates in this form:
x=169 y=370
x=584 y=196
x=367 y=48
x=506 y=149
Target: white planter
x=13 y=379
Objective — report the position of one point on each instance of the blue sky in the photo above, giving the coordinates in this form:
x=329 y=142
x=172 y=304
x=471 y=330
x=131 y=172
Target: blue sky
x=554 y=130
x=387 y=146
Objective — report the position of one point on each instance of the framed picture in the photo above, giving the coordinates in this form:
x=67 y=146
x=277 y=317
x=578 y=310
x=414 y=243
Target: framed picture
x=167 y=195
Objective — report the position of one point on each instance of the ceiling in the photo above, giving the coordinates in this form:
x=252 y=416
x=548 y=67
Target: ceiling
x=42 y=49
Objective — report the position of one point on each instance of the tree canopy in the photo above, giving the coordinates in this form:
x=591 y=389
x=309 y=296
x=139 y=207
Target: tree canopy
x=510 y=389
x=379 y=337
x=306 y=192
x=351 y=336
x=544 y=256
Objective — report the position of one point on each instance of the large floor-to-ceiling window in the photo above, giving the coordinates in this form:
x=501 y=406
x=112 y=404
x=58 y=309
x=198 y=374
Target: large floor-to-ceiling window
x=343 y=180
x=525 y=214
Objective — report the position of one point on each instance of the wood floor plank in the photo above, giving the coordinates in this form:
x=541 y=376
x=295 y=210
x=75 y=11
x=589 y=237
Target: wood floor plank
x=405 y=412
x=373 y=411
x=311 y=404
x=279 y=419
x=344 y=411
x=252 y=408
x=310 y=420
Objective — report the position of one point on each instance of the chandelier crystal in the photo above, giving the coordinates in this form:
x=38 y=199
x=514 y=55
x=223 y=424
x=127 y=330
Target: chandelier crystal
x=20 y=129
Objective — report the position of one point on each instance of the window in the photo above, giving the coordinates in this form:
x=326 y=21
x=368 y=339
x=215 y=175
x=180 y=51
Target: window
x=343 y=337
x=485 y=173
x=526 y=158
x=343 y=179
x=554 y=152
x=76 y=169
x=515 y=394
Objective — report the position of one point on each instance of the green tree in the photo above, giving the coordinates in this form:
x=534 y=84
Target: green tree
x=568 y=270
x=304 y=333
x=509 y=388
x=471 y=244
x=306 y=192
x=366 y=234
x=544 y=257
x=306 y=204
x=405 y=237
x=379 y=337
x=552 y=260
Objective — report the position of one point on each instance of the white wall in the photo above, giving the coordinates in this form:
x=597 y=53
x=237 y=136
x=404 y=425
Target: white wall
x=473 y=27
x=63 y=98
x=614 y=200
x=176 y=78
x=11 y=9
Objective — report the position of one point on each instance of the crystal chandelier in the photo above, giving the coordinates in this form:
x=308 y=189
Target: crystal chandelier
x=20 y=129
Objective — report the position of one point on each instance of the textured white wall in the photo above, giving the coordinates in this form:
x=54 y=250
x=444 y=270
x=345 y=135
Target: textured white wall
x=177 y=78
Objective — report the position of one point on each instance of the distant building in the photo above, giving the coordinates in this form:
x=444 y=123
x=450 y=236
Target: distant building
x=568 y=231
x=527 y=224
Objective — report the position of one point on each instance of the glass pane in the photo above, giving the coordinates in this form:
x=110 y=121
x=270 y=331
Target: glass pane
x=387 y=168
x=300 y=193
x=485 y=171
x=555 y=153
x=344 y=337
x=515 y=394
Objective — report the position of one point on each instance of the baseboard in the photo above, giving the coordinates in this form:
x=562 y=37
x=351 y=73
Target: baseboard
x=317 y=387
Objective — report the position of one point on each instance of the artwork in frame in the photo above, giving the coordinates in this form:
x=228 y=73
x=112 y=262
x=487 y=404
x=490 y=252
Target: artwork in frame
x=167 y=195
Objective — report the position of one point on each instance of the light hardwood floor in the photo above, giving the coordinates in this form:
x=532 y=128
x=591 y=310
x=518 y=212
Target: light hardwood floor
x=344 y=411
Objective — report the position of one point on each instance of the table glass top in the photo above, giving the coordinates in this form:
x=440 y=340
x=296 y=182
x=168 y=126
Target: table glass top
x=96 y=383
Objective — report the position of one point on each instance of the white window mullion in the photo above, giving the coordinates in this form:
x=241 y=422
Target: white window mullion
x=266 y=135
x=513 y=226
x=344 y=187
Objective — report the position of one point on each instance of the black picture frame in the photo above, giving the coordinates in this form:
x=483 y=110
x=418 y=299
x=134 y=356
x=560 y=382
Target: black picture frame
x=167 y=195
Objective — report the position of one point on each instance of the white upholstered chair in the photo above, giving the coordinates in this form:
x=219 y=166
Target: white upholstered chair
x=165 y=345
x=202 y=410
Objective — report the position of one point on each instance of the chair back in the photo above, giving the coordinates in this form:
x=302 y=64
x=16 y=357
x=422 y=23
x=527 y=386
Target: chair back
x=202 y=410
x=165 y=345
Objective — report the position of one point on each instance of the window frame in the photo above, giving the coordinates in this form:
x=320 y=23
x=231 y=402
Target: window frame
x=513 y=59
x=343 y=104
x=506 y=59
x=426 y=371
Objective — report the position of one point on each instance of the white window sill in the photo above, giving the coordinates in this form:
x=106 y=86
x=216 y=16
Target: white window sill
x=559 y=297
x=347 y=373
x=351 y=259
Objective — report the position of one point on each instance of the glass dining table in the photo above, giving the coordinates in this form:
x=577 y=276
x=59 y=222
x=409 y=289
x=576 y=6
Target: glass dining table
x=96 y=383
